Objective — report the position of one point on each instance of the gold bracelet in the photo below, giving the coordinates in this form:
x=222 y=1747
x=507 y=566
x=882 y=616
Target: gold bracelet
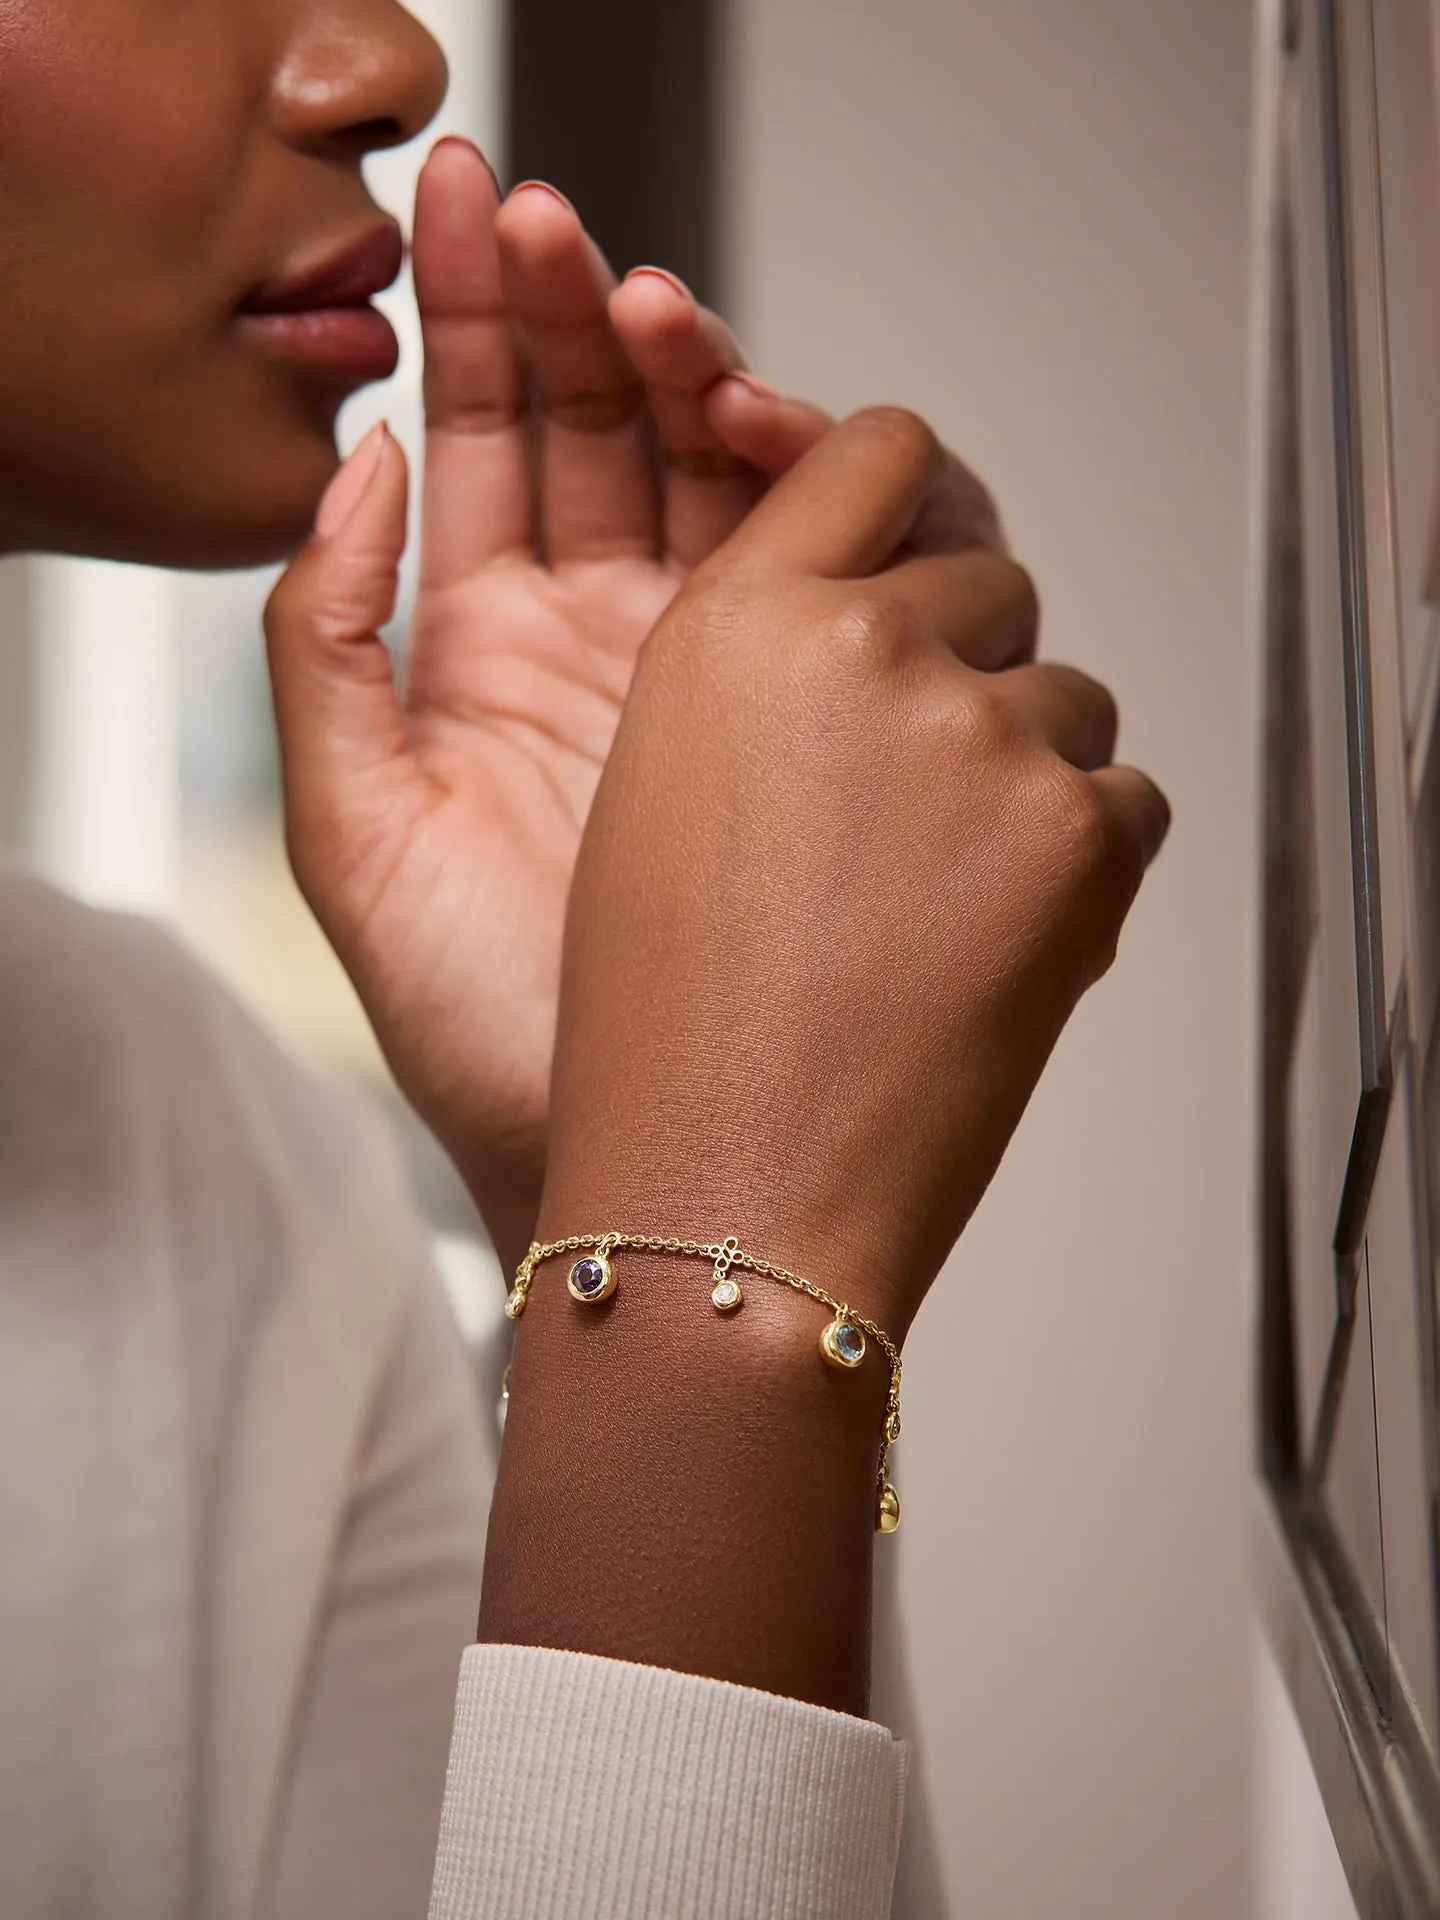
x=592 y=1279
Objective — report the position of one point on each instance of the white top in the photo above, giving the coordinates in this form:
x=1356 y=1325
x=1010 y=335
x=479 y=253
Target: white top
x=243 y=1480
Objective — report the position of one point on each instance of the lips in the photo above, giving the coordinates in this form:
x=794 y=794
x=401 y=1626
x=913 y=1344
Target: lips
x=320 y=315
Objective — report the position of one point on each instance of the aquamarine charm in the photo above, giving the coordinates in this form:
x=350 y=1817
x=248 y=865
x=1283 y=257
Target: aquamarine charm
x=842 y=1342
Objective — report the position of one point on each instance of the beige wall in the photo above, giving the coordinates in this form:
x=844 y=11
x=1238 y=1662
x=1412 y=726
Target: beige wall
x=1029 y=218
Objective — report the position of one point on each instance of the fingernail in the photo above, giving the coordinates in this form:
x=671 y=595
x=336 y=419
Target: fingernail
x=757 y=387
x=467 y=147
x=675 y=284
x=542 y=186
x=351 y=483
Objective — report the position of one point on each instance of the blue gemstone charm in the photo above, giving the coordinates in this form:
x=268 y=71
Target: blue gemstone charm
x=842 y=1342
x=592 y=1279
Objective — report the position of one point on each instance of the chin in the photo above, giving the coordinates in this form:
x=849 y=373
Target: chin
x=249 y=510
x=256 y=535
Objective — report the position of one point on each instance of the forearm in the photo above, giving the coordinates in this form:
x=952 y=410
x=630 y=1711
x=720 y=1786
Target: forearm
x=686 y=1489
x=508 y=1207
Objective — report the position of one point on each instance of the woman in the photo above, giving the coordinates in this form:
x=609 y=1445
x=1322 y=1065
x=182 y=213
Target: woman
x=852 y=859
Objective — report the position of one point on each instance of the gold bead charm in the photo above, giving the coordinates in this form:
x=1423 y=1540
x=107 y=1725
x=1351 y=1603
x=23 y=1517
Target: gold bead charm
x=592 y=1278
x=842 y=1342
x=887 y=1511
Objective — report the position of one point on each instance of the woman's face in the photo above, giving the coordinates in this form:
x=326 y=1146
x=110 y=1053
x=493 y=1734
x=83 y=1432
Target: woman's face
x=186 y=250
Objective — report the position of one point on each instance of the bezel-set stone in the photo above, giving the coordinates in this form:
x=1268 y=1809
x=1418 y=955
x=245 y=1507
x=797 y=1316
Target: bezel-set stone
x=514 y=1303
x=591 y=1279
x=843 y=1343
x=726 y=1295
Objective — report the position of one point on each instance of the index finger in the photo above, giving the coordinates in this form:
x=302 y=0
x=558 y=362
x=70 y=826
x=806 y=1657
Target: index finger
x=878 y=485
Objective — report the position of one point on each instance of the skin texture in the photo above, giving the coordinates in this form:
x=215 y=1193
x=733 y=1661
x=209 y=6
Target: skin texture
x=159 y=160
x=140 y=418
x=852 y=861
x=435 y=834
x=812 y=1021
x=849 y=865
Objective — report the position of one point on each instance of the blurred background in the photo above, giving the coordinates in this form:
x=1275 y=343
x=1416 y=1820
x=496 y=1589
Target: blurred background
x=1035 y=222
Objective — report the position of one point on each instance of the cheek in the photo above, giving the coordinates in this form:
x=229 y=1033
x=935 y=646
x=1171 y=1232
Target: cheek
x=120 y=151
x=127 y=425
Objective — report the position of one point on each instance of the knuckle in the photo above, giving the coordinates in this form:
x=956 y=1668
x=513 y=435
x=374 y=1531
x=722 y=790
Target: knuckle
x=1087 y=695
x=995 y=612
x=987 y=722
x=872 y=621
x=850 y=639
x=847 y=646
x=1089 y=841
x=1094 y=866
x=1082 y=682
x=1022 y=593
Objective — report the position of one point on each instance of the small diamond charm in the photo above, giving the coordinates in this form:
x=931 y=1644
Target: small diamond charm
x=515 y=1303
x=725 y=1295
x=842 y=1342
x=592 y=1279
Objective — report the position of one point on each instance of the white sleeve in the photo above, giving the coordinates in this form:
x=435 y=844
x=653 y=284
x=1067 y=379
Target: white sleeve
x=581 y=1787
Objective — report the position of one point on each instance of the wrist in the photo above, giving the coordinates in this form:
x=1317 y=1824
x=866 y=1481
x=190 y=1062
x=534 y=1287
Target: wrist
x=505 y=1186
x=664 y=1315
x=841 y=1245
x=686 y=1488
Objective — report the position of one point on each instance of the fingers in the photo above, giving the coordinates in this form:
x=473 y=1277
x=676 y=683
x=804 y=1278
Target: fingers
x=1074 y=714
x=879 y=483
x=597 y=466
x=477 y=461
x=679 y=351
x=517 y=304
x=768 y=430
x=1078 y=719
x=343 y=743
x=1137 y=806
x=684 y=355
x=980 y=604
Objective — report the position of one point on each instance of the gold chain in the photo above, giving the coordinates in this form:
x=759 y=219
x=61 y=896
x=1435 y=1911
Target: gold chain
x=725 y=1256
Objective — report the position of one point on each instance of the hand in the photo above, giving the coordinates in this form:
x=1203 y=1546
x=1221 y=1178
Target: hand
x=434 y=835
x=839 y=892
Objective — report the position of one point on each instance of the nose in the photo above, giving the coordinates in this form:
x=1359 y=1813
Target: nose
x=356 y=75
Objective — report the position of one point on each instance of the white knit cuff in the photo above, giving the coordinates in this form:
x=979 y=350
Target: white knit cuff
x=581 y=1787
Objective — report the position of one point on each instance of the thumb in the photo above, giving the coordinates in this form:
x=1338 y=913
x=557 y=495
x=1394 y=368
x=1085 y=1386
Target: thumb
x=343 y=748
